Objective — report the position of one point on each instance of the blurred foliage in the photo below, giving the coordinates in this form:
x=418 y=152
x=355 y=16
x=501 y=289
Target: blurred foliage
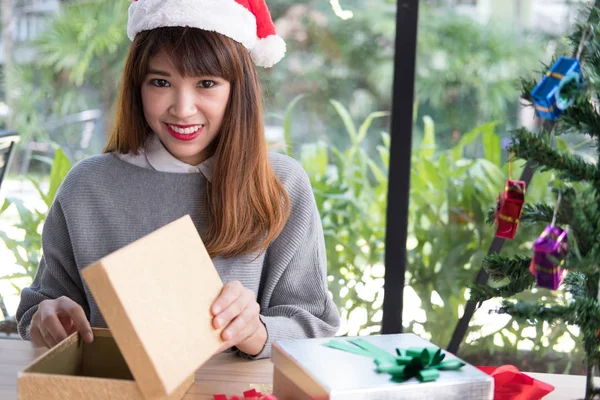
x=447 y=234
x=351 y=193
x=27 y=249
x=463 y=78
x=77 y=67
x=41 y=96
x=466 y=71
x=464 y=75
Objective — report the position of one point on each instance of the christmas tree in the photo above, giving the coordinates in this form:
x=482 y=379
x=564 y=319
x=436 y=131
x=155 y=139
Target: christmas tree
x=566 y=256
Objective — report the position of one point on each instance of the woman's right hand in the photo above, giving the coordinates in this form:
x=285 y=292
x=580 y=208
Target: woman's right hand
x=54 y=320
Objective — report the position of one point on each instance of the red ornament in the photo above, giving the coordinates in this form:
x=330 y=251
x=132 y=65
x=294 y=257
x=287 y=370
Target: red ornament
x=509 y=208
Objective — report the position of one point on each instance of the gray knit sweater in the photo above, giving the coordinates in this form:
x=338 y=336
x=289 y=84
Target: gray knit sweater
x=106 y=203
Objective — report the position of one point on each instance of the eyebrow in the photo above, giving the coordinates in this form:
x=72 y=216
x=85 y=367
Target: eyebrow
x=152 y=71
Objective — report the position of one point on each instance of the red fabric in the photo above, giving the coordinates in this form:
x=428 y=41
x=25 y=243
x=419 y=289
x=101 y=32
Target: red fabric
x=248 y=395
x=512 y=384
x=264 y=22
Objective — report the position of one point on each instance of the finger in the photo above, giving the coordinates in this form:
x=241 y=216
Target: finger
x=230 y=313
x=225 y=346
x=230 y=292
x=67 y=323
x=34 y=331
x=47 y=337
x=36 y=336
x=236 y=308
x=77 y=315
x=243 y=326
x=51 y=326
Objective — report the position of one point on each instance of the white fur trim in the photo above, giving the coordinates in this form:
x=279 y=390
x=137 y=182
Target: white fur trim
x=223 y=16
x=268 y=51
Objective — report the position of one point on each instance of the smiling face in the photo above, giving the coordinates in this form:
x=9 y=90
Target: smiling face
x=185 y=112
x=176 y=88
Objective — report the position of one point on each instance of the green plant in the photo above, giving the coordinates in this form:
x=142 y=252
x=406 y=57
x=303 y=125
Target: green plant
x=77 y=67
x=464 y=72
x=447 y=233
x=28 y=250
x=350 y=190
x=466 y=69
x=87 y=43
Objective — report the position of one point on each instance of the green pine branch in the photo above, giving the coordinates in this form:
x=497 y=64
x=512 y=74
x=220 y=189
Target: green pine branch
x=575 y=285
x=537 y=149
x=581 y=117
x=515 y=269
x=528 y=84
x=539 y=212
x=500 y=267
x=585 y=220
x=582 y=312
x=587 y=263
x=536 y=213
x=481 y=293
x=542 y=212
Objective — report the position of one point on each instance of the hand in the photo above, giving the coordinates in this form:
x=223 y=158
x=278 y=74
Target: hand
x=236 y=309
x=54 y=320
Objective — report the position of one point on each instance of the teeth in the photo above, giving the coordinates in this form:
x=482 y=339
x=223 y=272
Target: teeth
x=186 y=131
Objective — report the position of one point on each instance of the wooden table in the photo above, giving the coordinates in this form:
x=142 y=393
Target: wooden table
x=228 y=374
x=224 y=373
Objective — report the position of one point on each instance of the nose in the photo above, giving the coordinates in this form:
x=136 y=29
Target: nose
x=183 y=105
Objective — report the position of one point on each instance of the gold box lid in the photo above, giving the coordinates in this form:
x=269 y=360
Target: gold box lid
x=155 y=295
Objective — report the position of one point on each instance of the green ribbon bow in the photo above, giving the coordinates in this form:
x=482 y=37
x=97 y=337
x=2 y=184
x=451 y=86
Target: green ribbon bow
x=421 y=363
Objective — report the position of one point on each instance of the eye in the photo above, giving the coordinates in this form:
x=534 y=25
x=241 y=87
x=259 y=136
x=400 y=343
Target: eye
x=159 y=83
x=206 y=84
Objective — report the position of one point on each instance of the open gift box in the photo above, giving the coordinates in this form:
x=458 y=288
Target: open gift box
x=306 y=369
x=155 y=296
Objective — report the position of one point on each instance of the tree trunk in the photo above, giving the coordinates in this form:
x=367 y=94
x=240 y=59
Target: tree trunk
x=592 y=371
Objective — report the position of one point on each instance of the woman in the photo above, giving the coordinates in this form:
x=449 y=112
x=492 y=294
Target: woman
x=188 y=139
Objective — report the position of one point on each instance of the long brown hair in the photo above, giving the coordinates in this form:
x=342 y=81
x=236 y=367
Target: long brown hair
x=249 y=205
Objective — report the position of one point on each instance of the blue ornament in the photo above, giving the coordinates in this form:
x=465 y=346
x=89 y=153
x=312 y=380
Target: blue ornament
x=549 y=102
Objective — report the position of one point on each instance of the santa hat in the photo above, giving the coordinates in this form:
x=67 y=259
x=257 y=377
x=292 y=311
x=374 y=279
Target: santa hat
x=245 y=21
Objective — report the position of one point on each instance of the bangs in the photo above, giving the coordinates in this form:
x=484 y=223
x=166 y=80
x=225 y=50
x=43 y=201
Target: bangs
x=194 y=52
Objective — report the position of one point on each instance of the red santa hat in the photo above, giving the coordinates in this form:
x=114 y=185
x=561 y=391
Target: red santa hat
x=245 y=21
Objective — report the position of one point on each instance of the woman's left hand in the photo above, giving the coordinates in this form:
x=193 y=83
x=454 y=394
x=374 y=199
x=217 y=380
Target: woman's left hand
x=236 y=309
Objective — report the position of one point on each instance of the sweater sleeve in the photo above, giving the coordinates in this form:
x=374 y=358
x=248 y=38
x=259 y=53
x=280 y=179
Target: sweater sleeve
x=294 y=299
x=57 y=273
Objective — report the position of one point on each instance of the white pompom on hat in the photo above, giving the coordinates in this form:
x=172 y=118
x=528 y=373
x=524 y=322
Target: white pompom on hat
x=245 y=21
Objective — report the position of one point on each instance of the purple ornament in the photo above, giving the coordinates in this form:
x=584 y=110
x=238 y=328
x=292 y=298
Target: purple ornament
x=550 y=252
